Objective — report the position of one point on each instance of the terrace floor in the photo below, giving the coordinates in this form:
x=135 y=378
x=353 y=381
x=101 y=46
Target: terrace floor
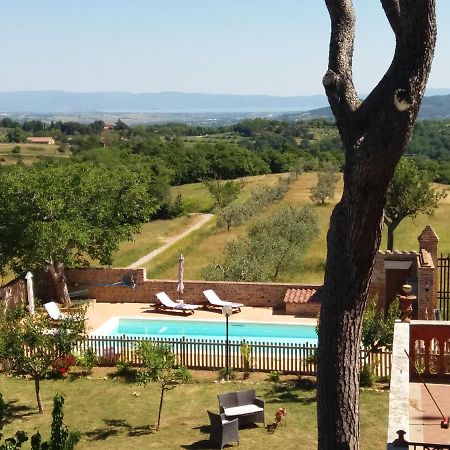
x=99 y=313
x=424 y=417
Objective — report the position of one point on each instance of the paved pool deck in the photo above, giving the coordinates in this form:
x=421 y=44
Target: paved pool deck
x=424 y=417
x=99 y=313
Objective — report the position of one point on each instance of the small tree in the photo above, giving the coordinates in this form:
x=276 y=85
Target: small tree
x=224 y=192
x=31 y=345
x=160 y=365
x=410 y=193
x=298 y=168
x=232 y=214
x=325 y=188
x=60 y=438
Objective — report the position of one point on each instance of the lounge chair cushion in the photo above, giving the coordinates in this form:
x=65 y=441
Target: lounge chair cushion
x=242 y=410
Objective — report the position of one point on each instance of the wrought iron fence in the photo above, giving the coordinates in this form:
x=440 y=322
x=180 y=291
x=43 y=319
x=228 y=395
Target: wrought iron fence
x=443 y=292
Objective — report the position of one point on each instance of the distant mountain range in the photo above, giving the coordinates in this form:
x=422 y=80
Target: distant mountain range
x=163 y=102
x=434 y=107
x=97 y=104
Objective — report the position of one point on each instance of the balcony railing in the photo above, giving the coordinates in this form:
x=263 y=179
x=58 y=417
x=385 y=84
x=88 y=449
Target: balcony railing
x=400 y=442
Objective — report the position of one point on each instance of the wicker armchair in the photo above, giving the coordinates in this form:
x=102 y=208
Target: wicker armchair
x=223 y=431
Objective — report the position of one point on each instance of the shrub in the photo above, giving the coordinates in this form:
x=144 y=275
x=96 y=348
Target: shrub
x=87 y=360
x=15 y=150
x=62 y=365
x=367 y=376
x=274 y=376
x=124 y=369
x=223 y=374
x=246 y=352
x=183 y=374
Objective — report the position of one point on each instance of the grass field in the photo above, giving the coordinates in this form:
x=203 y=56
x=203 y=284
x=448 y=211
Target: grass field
x=29 y=153
x=206 y=245
x=109 y=416
x=153 y=235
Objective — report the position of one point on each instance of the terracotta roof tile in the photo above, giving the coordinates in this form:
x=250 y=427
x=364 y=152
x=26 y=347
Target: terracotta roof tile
x=299 y=295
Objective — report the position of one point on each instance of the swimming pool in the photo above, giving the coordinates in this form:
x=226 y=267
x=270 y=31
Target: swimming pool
x=202 y=329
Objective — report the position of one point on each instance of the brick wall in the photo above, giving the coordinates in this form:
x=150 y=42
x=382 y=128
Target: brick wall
x=383 y=262
x=14 y=293
x=100 y=284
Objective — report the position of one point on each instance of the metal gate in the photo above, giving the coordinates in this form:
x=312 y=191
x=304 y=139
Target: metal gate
x=443 y=292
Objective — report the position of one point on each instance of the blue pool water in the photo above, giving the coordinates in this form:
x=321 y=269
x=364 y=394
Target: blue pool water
x=200 y=329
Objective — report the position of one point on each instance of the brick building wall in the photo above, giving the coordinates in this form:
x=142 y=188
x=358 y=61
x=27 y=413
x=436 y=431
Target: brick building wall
x=386 y=283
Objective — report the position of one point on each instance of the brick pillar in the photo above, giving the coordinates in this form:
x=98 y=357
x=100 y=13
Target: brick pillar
x=426 y=277
x=428 y=240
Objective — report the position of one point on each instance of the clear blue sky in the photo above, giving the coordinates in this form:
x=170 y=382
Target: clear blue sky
x=210 y=46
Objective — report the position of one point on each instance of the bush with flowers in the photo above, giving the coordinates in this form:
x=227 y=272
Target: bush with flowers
x=62 y=364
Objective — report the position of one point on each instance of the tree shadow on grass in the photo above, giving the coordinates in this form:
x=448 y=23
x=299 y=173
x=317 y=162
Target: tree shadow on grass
x=14 y=411
x=287 y=392
x=115 y=427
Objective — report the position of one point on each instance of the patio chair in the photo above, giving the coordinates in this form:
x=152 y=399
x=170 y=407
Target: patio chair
x=165 y=302
x=242 y=405
x=53 y=311
x=215 y=302
x=58 y=316
x=223 y=431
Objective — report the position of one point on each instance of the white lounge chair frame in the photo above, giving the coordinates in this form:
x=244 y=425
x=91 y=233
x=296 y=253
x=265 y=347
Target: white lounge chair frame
x=214 y=301
x=54 y=312
x=165 y=302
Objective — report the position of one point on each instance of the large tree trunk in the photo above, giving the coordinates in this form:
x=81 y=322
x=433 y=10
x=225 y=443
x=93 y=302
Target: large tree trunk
x=56 y=270
x=374 y=133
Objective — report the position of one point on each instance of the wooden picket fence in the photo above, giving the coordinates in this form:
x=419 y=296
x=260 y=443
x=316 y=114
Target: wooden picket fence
x=211 y=354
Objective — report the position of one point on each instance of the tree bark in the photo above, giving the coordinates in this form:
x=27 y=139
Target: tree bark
x=160 y=407
x=374 y=133
x=37 y=389
x=56 y=270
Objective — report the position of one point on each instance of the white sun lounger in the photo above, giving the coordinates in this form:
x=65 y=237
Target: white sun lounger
x=215 y=302
x=54 y=312
x=165 y=302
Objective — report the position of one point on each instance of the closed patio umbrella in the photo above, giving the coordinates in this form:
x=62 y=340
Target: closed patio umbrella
x=180 y=286
x=30 y=293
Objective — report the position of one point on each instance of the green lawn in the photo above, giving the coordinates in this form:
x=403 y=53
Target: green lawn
x=109 y=416
x=153 y=235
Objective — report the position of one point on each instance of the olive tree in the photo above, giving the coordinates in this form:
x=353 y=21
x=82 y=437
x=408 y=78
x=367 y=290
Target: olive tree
x=271 y=247
x=374 y=133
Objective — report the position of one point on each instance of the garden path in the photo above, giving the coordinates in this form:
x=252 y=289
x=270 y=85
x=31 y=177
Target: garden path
x=203 y=219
